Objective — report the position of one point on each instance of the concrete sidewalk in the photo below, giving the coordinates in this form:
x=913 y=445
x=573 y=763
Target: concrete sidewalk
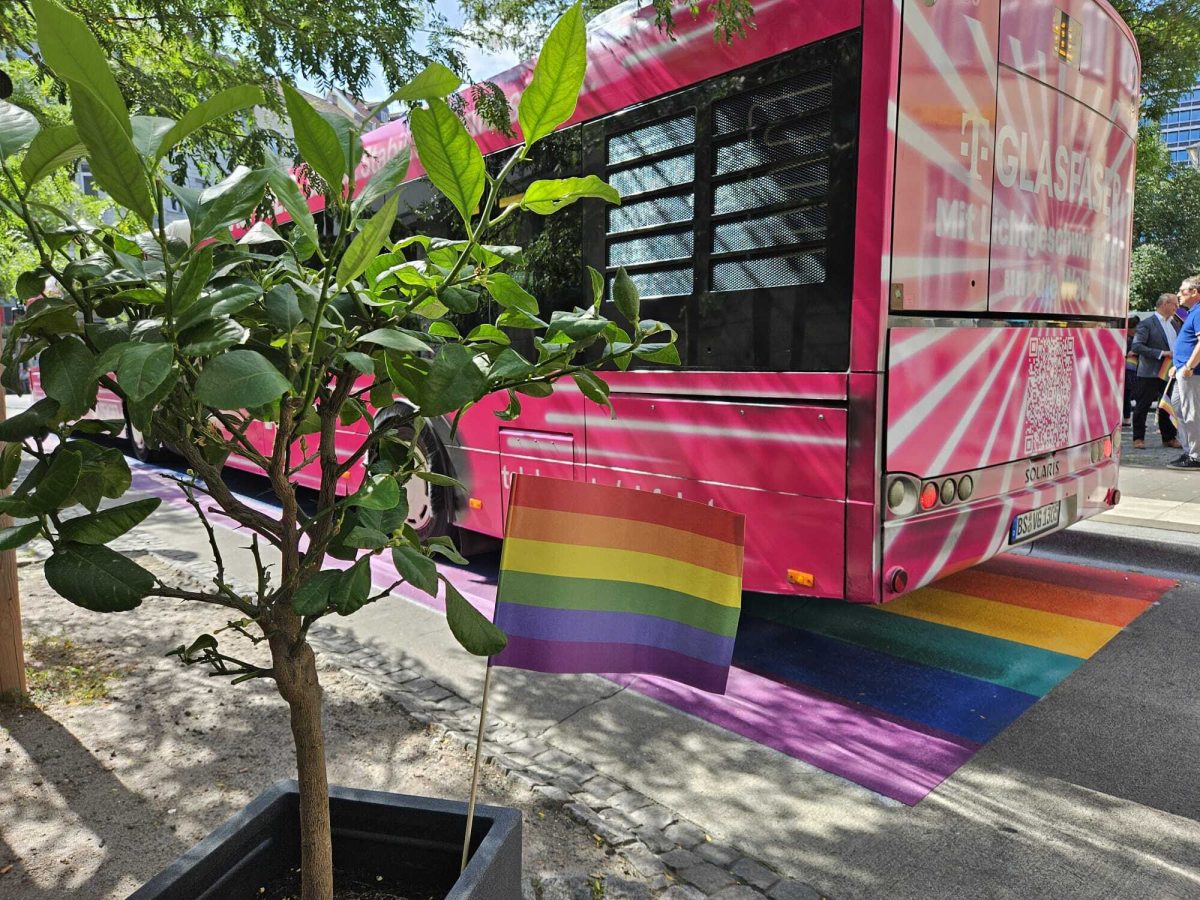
x=1153 y=495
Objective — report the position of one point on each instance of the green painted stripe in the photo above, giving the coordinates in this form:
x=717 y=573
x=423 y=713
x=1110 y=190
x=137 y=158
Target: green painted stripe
x=616 y=596
x=1007 y=663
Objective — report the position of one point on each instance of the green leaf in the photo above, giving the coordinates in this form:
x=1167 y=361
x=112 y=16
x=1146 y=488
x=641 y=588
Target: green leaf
x=557 y=79
x=377 y=492
x=211 y=337
x=439 y=478
x=192 y=279
x=450 y=156
x=444 y=545
x=597 y=287
x=658 y=353
x=19 y=535
x=97 y=578
x=576 y=325
x=68 y=47
x=386 y=179
x=57 y=484
x=470 y=628
x=114 y=160
x=546 y=197
x=593 y=387
x=67 y=377
x=108 y=524
x=10 y=462
x=316 y=139
x=227 y=101
x=229 y=300
x=313 y=597
x=417 y=569
x=460 y=300
x=511 y=295
x=625 y=294
x=354 y=588
x=241 y=379
x=348 y=138
x=231 y=201
x=362 y=538
x=142 y=368
x=147 y=132
x=509 y=364
x=283 y=308
x=454 y=380
x=104 y=474
x=488 y=334
x=17 y=128
x=35 y=421
x=259 y=233
x=368 y=242
x=431 y=83
x=394 y=339
x=290 y=197
x=360 y=362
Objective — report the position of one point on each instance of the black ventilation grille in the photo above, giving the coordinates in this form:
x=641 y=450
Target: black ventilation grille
x=650 y=213
x=805 y=224
x=652 y=139
x=769 y=272
x=672 y=171
x=651 y=248
x=769 y=105
x=774 y=145
x=660 y=283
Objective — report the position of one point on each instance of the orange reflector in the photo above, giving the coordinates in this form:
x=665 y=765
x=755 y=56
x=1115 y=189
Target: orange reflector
x=929 y=496
x=803 y=579
x=345 y=475
x=475 y=503
x=1108 y=448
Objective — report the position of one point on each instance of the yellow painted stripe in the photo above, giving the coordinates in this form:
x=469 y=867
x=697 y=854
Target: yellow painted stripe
x=607 y=564
x=1034 y=627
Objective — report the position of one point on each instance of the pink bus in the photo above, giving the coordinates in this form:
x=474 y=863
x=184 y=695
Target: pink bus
x=894 y=240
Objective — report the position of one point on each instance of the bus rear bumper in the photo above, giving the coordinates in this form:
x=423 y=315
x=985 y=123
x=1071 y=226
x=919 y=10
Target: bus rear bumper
x=922 y=548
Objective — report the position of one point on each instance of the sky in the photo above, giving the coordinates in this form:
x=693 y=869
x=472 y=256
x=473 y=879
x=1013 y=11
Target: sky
x=480 y=63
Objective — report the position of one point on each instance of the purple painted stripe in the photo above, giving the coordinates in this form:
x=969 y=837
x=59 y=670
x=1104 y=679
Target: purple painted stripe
x=576 y=657
x=601 y=626
x=882 y=753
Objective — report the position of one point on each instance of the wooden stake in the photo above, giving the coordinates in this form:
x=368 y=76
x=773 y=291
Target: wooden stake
x=487 y=681
x=12 y=653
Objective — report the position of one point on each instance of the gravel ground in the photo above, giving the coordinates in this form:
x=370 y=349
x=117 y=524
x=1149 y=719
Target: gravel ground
x=98 y=793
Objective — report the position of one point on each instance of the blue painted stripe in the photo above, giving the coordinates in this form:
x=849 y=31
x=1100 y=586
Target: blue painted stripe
x=971 y=708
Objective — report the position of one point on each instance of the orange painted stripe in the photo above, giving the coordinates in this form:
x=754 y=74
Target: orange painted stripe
x=622 y=503
x=557 y=527
x=1075 y=602
x=1134 y=585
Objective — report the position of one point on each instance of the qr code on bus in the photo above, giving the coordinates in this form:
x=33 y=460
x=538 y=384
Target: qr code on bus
x=1048 y=392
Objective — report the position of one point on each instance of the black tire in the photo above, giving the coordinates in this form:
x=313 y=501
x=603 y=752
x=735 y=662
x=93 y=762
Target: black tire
x=430 y=506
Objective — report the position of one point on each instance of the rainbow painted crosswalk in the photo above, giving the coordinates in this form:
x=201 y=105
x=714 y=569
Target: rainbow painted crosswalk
x=897 y=697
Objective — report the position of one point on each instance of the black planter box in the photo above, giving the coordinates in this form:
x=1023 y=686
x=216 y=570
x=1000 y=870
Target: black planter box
x=393 y=835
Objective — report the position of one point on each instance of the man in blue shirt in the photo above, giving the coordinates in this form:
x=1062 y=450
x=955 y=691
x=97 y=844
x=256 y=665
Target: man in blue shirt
x=1187 y=358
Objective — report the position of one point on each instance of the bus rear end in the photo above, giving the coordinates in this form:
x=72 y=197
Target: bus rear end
x=1008 y=283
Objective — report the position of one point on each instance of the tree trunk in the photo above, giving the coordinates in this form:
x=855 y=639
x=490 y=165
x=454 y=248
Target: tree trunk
x=296 y=676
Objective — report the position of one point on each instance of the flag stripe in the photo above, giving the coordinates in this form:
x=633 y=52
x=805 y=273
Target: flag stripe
x=601 y=500
x=544 y=558
x=1049 y=631
x=554 y=526
x=1063 y=599
x=590 y=626
x=560 y=592
x=577 y=656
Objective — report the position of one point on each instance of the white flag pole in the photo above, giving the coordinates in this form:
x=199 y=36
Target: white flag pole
x=487 y=681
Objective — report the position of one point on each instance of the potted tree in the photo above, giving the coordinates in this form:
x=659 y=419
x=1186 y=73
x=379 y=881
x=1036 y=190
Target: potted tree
x=202 y=336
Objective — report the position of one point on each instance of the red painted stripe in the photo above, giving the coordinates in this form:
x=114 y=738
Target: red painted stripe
x=1133 y=585
x=623 y=503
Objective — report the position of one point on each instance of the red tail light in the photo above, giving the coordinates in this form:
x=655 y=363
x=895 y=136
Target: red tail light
x=1108 y=448
x=929 y=496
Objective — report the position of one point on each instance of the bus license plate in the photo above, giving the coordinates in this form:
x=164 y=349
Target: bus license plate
x=1032 y=523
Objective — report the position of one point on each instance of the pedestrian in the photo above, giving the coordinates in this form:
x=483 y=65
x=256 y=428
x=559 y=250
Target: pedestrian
x=1189 y=298
x=1131 y=359
x=1154 y=342
x=1188 y=348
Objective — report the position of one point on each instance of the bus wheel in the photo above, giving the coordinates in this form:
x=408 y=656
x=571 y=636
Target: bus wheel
x=430 y=506
x=140 y=445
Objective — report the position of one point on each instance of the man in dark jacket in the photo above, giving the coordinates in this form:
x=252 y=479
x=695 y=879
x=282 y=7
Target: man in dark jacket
x=1153 y=342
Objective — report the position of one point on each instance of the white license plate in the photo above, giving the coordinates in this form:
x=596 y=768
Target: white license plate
x=1036 y=521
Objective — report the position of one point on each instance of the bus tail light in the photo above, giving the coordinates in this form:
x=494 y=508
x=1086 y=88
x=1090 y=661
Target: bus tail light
x=897 y=580
x=1107 y=447
x=966 y=487
x=949 y=491
x=1113 y=497
x=929 y=495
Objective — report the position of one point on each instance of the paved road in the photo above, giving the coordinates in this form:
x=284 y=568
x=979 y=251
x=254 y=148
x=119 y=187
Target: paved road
x=1092 y=792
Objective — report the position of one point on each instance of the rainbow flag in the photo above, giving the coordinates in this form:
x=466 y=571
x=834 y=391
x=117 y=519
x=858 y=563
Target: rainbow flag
x=603 y=579
x=1165 y=369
